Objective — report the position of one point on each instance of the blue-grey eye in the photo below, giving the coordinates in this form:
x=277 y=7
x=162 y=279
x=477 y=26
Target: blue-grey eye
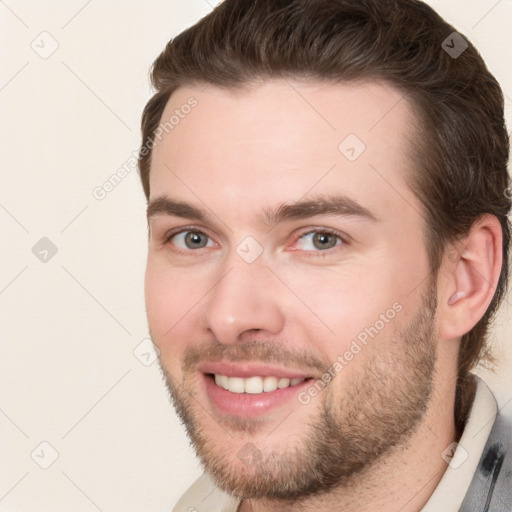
x=191 y=240
x=319 y=240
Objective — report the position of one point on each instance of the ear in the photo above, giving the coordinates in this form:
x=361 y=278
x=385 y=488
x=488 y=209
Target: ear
x=469 y=278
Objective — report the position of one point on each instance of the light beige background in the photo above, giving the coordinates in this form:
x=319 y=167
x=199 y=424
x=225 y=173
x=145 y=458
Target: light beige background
x=70 y=325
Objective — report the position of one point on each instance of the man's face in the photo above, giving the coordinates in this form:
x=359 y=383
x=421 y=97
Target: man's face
x=306 y=272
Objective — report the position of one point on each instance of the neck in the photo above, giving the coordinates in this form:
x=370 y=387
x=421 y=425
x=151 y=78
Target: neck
x=404 y=478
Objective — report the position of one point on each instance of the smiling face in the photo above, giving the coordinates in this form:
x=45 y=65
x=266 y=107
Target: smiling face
x=287 y=282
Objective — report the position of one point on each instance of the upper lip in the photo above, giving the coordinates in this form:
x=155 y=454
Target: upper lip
x=245 y=370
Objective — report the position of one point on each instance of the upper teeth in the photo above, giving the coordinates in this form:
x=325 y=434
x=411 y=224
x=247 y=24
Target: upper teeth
x=254 y=384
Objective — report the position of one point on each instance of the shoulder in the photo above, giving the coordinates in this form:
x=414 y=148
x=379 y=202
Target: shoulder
x=491 y=486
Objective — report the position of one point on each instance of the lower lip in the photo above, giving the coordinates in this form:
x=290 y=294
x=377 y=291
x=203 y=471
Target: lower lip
x=249 y=405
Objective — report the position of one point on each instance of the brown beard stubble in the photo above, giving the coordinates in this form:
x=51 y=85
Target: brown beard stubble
x=382 y=407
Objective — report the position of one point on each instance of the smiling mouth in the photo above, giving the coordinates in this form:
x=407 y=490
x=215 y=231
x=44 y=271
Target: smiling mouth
x=254 y=385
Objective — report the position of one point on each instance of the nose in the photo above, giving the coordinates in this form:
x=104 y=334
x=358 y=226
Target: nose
x=244 y=301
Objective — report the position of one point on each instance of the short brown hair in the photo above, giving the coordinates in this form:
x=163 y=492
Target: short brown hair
x=462 y=147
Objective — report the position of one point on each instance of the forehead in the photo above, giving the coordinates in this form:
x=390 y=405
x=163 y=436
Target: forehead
x=278 y=140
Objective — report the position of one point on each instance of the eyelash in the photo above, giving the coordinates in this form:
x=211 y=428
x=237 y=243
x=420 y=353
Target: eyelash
x=344 y=240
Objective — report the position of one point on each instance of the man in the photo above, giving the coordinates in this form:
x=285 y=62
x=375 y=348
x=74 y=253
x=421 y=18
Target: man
x=327 y=206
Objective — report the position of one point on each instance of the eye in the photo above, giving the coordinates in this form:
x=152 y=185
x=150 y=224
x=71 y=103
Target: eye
x=319 y=241
x=189 y=240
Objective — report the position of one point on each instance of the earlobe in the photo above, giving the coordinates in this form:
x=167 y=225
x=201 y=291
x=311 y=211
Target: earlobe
x=471 y=278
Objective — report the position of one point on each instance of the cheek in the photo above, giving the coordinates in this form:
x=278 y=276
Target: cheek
x=339 y=303
x=170 y=299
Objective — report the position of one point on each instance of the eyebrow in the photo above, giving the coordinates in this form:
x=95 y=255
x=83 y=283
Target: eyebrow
x=339 y=205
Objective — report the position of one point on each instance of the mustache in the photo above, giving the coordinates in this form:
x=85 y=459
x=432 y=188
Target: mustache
x=253 y=351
